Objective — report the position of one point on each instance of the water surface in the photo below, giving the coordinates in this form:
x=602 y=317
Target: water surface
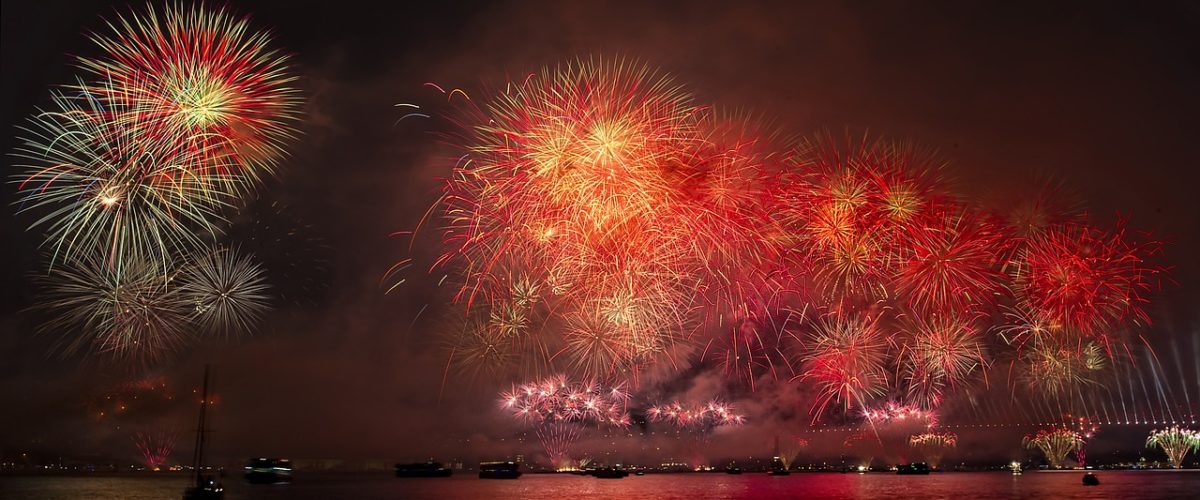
x=950 y=485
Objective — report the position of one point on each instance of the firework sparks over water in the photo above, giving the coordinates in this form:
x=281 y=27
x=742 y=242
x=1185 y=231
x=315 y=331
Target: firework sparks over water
x=1176 y=442
x=1055 y=443
x=602 y=222
x=620 y=236
x=559 y=409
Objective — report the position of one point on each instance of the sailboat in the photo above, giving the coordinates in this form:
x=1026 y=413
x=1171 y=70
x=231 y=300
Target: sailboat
x=207 y=487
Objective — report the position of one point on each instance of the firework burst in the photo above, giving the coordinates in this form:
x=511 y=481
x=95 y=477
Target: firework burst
x=203 y=81
x=599 y=221
x=559 y=409
x=933 y=445
x=575 y=180
x=137 y=314
x=1055 y=443
x=1058 y=368
x=228 y=291
x=701 y=418
x=145 y=311
x=942 y=352
x=1176 y=442
x=556 y=399
x=155 y=447
x=1084 y=279
x=104 y=187
x=846 y=359
x=951 y=265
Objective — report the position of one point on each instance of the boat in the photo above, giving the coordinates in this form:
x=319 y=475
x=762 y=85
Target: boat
x=610 y=473
x=640 y=473
x=422 y=469
x=733 y=470
x=913 y=469
x=269 y=471
x=779 y=471
x=207 y=487
x=499 y=470
x=1090 y=479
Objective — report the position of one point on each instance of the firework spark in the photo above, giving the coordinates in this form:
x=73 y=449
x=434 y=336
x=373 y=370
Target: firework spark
x=559 y=409
x=1176 y=442
x=155 y=447
x=933 y=445
x=701 y=418
x=1055 y=443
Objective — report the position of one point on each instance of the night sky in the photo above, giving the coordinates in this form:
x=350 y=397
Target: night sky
x=1100 y=96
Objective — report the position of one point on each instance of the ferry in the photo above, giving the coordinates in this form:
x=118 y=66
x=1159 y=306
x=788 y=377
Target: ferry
x=425 y=469
x=610 y=473
x=914 y=469
x=268 y=471
x=499 y=470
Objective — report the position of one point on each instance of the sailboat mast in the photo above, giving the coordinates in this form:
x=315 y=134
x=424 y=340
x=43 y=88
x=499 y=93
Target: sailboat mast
x=198 y=450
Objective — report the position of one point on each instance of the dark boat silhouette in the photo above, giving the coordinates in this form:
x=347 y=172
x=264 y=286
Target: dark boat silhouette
x=914 y=469
x=779 y=471
x=268 y=471
x=422 y=469
x=1090 y=479
x=610 y=473
x=499 y=470
x=207 y=487
x=733 y=470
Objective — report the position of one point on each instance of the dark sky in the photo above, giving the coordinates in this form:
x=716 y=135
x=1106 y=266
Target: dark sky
x=1102 y=96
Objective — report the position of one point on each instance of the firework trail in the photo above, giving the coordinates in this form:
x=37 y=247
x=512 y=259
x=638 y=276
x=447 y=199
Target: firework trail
x=1176 y=442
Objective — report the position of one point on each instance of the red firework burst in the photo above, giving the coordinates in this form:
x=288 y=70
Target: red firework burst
x=846 y=359
x=1085 y=279
x=951 y=263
